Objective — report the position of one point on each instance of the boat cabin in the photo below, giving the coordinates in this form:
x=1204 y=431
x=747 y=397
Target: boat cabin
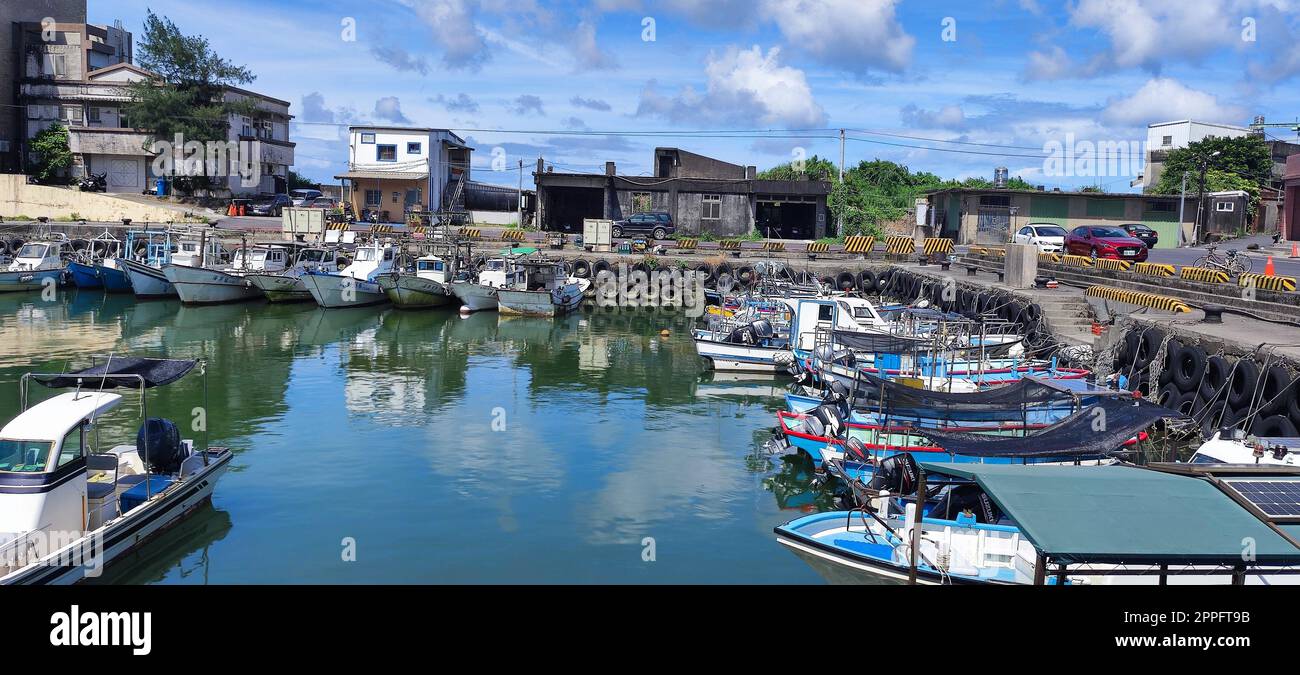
x=433 y=267
x=187 y=252
x=370 y=261
x=536 y=275
x=260 y=259
x=37 y=255
x=493 y=273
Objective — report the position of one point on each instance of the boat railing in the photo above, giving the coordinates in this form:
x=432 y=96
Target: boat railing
x=22 y=550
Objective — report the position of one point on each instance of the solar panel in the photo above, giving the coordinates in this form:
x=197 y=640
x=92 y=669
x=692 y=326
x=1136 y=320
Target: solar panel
x=1276 y=498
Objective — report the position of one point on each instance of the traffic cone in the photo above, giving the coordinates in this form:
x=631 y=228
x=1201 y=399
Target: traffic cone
x=1295 y=250
x=1268 y=267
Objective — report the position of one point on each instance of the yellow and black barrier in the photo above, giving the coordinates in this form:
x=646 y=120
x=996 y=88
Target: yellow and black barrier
x=512 y=235
x=899 y=245
x=1209 y=276
x=470 y=232
x=1154 y=269
x=729 y=244
x=935 y=245
x=774 y=246
x=1113 y=265
x=1049 y=257
x=856 y=243
x=380 y=228
x=419 y=229
x=336 y=225
x=688 y=243
x=1267 y=283
x=989 y=250
x=1076 y=260
x=1161 y=302
x=819 y=247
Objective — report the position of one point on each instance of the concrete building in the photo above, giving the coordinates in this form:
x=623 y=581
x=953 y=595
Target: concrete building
x=393 y=170
x=703 y=195
x=990 y=215
x=11 y=64
x=1291 y=202
x=1164 y=137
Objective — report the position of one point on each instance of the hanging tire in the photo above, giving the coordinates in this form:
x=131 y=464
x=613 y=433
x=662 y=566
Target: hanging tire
x=1169 y=396
x=705 y=271
x=1273 y=426
x=1217 y=416
x=1242 y=384
x=601 y=265
x=1276 y=386
x=581 y=268
x=746 y=276
x=1188 y=367
x=867 y=281
x=1293 y=406
x=1216 y=374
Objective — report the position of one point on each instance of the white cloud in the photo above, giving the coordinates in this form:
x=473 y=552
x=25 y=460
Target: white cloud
x=587 y=52
x=947 y=117
x=1053 y=64
x=1145 y=33
x=743 y=86
x=856 y=35
x=390 y=108
x=1162 y=99
x=455 y=30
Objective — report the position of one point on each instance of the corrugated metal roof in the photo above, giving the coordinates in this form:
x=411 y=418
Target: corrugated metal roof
x=384 y=175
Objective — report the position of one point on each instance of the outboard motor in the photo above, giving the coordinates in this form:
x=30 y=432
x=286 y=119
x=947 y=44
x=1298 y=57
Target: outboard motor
x=896 y=473
x=743 y=336
x=966 y=498
x=824 y=353
x=159 y=445
x=833 y=423
x=838 y=395
x=763 y=328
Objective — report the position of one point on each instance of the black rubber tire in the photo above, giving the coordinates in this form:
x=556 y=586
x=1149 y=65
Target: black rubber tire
x=1210 y=422
x=599 y=266
x=867 y=281
x=1150 y=345
x=1241 y=390
x=828 y=281
x=1273 y=426
x=1293 y=406
x=1273 y=399
x=1169 y=395
x=640 y=266
x=721 y=269
x=705 y=270
x=1216 y=373
x=616 y=232
x=1188 y=367
x=581 y=268
x=746 y=276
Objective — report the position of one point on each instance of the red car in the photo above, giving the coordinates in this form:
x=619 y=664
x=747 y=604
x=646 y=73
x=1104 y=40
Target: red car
x=1105 y=242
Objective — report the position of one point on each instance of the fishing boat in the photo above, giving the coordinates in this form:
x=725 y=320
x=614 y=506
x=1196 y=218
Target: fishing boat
x=36 y=265
x=148 y=251
x=540 y=288
x=480 y=294
x=762 y=335
x=201 y=285
x=69 y=506
x=428 y=286
x=288 y=286
x=354 y=285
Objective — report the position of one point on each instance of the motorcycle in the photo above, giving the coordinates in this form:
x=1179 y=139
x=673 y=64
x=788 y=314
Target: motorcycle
x=94 y=182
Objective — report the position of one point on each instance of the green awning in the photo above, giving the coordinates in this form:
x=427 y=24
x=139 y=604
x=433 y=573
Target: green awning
x=518 y=250
x=1119 y=514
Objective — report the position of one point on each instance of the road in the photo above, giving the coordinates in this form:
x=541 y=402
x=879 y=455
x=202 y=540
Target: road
x=1282 y=263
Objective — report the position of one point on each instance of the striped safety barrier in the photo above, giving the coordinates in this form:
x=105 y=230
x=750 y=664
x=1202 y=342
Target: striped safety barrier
x=1161 y=302
x=1154 y=269
x=729 y=244
x=1076 y=260
x=774 y=246
x=1268 y=283
x=380 y=228
x=1049 y=258
x=1113 y=265
x=336 y=225
x=935 y=245
x=470 y=232
x=857 y=243
x=512 y=235
x=899 y=245
x=1205 y=274
x=688 y=243
x=989 y=250
x=816 y=247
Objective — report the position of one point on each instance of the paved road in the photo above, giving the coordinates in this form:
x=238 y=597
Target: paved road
x=1282 y=263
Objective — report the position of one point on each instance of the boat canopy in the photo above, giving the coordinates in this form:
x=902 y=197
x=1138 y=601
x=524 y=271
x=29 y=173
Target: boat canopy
x=122 y=371
x=1094 y=430
x=1019 y=394
x=878 y=343
x=1123 y=515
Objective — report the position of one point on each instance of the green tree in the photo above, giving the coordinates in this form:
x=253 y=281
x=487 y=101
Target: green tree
x=1242 y=163
x=297 y=180
x=53 y=157
x=185 y=94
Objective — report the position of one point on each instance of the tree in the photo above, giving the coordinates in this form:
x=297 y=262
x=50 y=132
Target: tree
x=185 y=94
x=1242 y=163
x=297 y=180
x=53 y=156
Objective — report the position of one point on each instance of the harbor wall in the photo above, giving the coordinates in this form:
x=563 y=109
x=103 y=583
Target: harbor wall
x=18 y=198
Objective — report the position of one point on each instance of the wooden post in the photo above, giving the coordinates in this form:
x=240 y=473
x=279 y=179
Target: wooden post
x=1040 y=569
x=916 y=524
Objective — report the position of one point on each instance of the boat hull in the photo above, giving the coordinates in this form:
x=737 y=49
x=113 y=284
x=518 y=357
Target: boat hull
x=114 y=279
x=412 y=292
x=146 y=281
x=12 y=282
x=200 y=286
x=84 y=276
x=332 y=291
x=741 y=358
x=539 y=303
x=131 y=529
x=475 y=297
x=280 y=288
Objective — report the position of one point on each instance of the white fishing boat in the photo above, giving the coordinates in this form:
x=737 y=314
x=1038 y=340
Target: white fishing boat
x=428 y=286
x=68 y=506
x=288 y=286
x=759 y=337
x=36 y=265
x=147 y=251
x=540 y=288
x=354 y=285
x=480 y=294
x=209 y=286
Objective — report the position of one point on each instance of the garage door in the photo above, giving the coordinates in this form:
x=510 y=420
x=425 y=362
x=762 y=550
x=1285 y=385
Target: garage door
x=124 y=174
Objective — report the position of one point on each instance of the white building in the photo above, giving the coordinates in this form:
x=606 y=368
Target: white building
x=1163 y=137
x=393 y=170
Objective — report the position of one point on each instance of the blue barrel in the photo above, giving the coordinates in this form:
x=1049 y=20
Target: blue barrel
x=161 y=186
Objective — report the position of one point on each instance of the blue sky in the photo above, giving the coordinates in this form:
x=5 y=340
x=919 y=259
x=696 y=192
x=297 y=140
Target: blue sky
x=955 y=88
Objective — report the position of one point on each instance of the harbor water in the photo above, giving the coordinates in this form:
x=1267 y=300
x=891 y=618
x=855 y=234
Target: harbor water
x=382 y=446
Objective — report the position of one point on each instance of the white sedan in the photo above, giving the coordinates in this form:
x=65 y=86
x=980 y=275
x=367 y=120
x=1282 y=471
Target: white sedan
x=1047 y=237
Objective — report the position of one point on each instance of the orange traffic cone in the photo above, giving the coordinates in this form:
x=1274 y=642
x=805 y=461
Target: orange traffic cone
x=1268 y=267
x=1295 y=250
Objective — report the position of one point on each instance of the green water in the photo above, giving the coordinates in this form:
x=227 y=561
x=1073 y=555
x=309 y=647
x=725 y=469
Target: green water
x=376 y=426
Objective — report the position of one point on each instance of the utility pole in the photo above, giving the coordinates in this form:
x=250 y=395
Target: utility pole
x=839 y=221
x=1182 y=207
x=520 y=194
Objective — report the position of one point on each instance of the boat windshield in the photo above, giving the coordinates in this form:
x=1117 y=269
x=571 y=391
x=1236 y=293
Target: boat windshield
x=365 y=254
x=429 y=265
x=24 y=456
x=312 y=255
x=32 y=251
x=256 y=255
x=496 y=265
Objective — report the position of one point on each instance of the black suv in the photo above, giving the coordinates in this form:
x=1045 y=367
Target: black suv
x=272 y=205
x=1142 y=233
x=658 y=224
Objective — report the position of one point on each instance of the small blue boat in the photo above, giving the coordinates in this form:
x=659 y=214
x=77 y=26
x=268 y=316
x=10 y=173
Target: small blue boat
x=84 y=275
x=114 y=278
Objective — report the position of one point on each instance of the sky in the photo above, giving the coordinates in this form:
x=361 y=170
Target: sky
x=954 y=88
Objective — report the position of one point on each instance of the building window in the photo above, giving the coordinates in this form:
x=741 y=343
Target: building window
x=386 y=153
x=92 y=114
x=1166 y=141
x=373 y=197
x=412 y=148
x=640 y=202
x=1223 y=206
x=70 y=114
x=711 y=207
x=56 y=65
x=367 y=138
x=1164 y=207
x=246 y=126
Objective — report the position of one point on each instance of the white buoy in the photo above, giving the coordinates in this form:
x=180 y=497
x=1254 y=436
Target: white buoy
x=465 y=310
